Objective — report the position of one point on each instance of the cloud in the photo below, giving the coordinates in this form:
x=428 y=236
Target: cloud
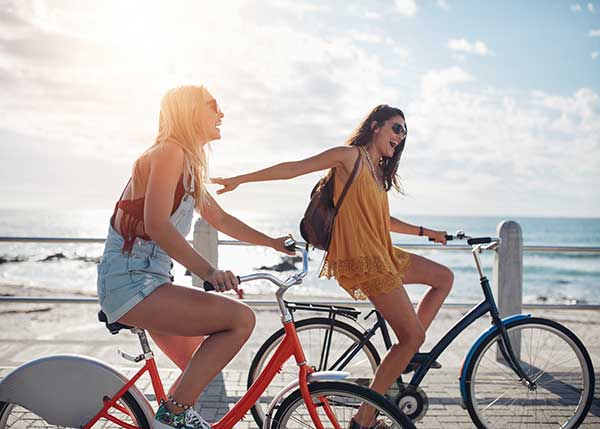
x=373 y=15
x=442 y=79
x=302 y=7
x=443 y=4
x=502 y=149
x=288 y=90
x=360 y=36
x=594 y=33
x=591 y=8
x=406 y=7
x=462 y=45
x=594 y=55
x=576 y=8
x=358 y=10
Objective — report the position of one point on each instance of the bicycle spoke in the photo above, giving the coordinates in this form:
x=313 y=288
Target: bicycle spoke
x=550 y=360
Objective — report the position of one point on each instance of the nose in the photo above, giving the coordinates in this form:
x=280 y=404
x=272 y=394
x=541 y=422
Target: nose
x=221 y=114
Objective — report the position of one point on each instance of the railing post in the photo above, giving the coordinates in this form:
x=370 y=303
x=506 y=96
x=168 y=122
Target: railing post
x=206 y=243
x=508 y=273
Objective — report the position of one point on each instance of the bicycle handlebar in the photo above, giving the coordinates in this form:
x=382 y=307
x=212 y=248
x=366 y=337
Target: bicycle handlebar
x=472 y=241
x=289 y=244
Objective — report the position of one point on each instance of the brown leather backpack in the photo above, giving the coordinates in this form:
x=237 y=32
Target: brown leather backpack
x=317 y=224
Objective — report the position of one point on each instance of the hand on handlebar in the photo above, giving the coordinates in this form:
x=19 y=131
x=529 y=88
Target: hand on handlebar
x=282 y=244
x=437 y=236
x=222 y=280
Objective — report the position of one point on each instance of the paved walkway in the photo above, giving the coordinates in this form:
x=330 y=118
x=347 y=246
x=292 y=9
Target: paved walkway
x=31 y=331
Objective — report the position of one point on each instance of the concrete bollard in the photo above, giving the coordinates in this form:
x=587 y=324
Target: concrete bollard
x=508 y=273
x=206 y=242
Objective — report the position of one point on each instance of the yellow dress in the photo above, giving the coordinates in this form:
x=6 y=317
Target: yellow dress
x=361 y=256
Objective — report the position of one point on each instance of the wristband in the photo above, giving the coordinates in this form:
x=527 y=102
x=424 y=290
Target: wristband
x=420 y=231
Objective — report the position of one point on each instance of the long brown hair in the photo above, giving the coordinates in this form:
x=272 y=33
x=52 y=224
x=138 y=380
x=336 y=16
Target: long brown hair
x=364 y=134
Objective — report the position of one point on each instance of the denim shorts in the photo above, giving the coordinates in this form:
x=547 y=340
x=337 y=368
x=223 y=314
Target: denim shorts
x=125 y=279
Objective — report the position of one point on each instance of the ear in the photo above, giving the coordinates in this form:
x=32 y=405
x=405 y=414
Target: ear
x=374 y=127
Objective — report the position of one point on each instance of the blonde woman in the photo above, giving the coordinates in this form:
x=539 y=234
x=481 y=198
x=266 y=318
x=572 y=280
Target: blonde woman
x=147 y=231
x=361 y=256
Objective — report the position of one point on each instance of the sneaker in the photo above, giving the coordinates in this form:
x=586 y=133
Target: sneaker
x=189 y=419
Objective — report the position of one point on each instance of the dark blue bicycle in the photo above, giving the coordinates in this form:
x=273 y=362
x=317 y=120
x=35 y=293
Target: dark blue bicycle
x=522 y=371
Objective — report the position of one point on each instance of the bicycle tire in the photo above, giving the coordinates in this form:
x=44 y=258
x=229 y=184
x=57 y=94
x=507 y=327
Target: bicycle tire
x=344 y=399
x=314 y=323
x=558 y=387
x=11 y=415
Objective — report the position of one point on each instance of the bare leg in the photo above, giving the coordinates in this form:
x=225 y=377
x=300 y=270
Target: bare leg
x=179 y=349
x=438 y=277
x=396 y=308
x=181 y=311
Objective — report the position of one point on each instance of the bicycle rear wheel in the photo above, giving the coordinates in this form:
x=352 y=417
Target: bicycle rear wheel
x=336 y=403
x=552 y=357
x=312 y=333
x=15 y=416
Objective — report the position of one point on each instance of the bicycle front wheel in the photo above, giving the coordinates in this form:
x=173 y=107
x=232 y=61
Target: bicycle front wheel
x=15 y=416
x=552 y=357
x=336 y=403
x=329 y=344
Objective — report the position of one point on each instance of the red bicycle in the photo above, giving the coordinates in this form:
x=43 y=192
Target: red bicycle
x=78 y=391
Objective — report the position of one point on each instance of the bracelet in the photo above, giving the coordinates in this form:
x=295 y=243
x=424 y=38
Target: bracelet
x=420 y=231
x=177 y=404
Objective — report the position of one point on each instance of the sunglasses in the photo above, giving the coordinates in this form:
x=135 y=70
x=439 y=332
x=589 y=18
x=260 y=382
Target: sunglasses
x=399 y=129
x=214 y=106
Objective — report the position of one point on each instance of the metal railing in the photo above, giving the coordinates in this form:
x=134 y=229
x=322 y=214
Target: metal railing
x=507 y=271
x=449 y=247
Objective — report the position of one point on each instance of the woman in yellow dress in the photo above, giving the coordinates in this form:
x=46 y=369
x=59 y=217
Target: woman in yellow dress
x=360 y=255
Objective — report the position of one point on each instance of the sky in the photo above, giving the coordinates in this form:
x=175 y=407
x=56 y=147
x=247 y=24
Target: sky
x=502 y=98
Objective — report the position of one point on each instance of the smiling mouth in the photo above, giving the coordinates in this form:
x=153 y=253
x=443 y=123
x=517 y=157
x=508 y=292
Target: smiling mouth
x=393 y=144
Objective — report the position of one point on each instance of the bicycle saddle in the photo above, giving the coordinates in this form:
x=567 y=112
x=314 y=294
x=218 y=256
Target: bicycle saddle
x=115 y=327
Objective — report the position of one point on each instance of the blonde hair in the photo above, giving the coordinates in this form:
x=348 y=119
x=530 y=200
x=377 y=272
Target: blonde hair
x=180 y=121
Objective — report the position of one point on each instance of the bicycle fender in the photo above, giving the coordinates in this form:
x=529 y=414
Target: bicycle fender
x=490 y=332
x=66 y=390
x=312 y=377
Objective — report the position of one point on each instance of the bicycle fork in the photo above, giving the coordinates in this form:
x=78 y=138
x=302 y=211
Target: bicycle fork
x=504 y=344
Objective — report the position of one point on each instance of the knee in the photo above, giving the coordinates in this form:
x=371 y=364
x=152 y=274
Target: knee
x=446 y=279
x=413 y=339
x=245 y=320
x=417 y=337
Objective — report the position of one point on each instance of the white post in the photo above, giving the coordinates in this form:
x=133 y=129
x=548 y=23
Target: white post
x=206 y=243
x=508 y=273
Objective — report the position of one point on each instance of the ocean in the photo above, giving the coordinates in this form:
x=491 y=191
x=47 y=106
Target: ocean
x=549 y=277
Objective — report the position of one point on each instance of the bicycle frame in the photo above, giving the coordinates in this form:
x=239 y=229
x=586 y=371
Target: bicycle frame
x=290 y=346
x=488 y=305
x=426 y=359
x=151 y=368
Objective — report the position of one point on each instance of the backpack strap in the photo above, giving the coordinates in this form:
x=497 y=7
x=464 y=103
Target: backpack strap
x=348 y=183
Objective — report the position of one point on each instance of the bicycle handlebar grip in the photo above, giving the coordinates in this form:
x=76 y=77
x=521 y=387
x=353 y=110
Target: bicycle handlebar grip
x=208 y=286
x=290 y=244
x=448 y=238
x=479 y=240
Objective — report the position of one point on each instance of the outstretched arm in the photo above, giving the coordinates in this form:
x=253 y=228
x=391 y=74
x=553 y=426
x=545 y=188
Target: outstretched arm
x=232 y=226
x=336 y=157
